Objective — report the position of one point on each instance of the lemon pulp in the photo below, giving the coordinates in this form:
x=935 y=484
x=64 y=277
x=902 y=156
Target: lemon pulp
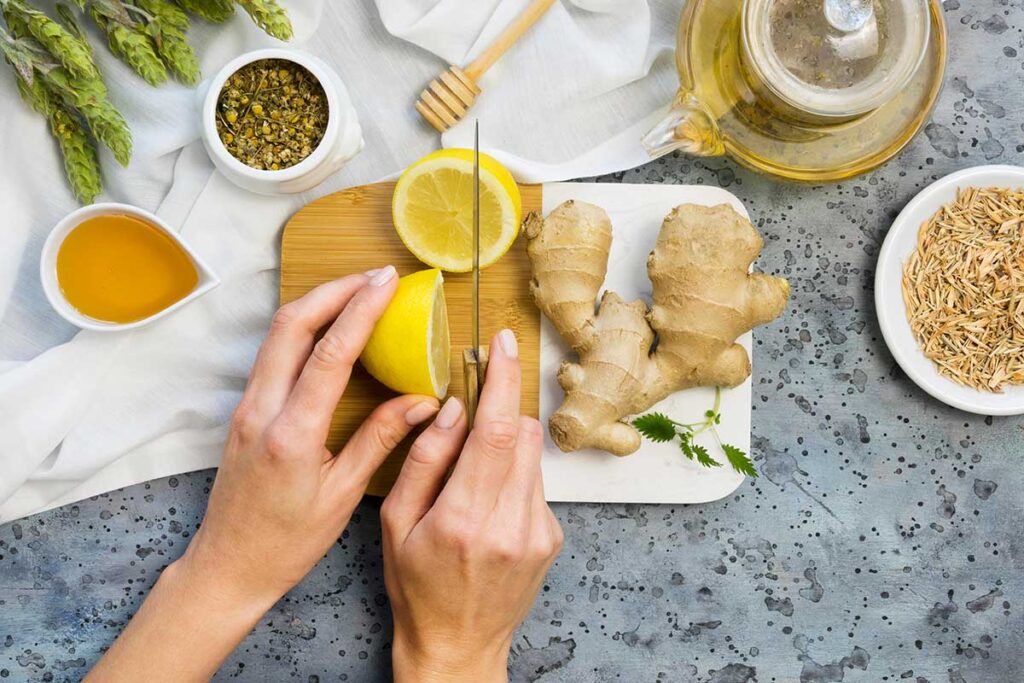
x=432 y=210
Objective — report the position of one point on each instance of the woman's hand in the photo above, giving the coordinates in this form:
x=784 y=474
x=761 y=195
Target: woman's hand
x=280 y=499
x=464 y=560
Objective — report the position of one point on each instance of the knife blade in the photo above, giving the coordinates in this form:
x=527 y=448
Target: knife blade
x=474 y=359
x=476 y=248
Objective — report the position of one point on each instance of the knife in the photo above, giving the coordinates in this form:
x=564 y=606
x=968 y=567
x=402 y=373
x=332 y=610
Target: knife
x=474 y=359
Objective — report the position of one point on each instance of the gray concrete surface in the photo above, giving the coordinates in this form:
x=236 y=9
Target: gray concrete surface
x=882 y=541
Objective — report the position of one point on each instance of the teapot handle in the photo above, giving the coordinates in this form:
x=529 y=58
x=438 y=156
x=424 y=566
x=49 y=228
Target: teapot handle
x=688 y=125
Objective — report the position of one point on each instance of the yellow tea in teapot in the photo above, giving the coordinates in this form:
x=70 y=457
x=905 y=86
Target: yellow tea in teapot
x=807 y=43
x=786 y=88
x=120 y=269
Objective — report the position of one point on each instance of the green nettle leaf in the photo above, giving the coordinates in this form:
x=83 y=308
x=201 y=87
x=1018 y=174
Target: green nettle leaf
x=703 y=457
x=656 y=427
x=685 y=447
x=660 y=428
x=739 y=460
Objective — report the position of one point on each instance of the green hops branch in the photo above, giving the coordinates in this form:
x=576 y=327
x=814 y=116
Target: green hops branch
x=58 y=78
x=53 y=90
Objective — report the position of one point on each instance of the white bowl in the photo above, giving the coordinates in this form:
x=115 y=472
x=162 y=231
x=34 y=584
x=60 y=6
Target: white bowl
x=48 y=267
x=899 y=244
x=342 y=140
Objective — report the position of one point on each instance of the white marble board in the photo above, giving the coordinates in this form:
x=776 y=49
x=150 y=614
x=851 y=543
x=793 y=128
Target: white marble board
x=657 y=473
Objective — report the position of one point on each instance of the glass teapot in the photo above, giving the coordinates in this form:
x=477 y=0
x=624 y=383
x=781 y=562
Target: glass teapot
x=810 y=90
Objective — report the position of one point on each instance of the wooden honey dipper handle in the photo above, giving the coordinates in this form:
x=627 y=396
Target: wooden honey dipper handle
x=448 y=97
x=513 y=32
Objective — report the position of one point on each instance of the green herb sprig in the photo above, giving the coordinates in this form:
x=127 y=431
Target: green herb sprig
x=660 y=428
x=72 y=98
x=57 y=76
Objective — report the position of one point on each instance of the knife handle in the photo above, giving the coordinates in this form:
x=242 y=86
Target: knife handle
x=473 y=372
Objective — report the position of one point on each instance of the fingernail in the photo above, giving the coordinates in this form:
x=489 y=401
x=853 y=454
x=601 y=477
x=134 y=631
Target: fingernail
x=371 y=273
x=508 y=343
x=383 y=276
x=449 y=415
x=420 y=412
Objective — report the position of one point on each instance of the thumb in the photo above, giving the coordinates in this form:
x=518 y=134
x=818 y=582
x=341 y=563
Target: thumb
x=424 y=471
x=380 y=434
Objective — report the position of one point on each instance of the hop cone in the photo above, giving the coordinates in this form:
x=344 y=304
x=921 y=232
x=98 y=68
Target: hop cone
x=61 y=43
x=269 y=16
x=89 y=97
x=167 y=29
x=178 y=55
x=134 y=47
x=80 y=163
x=165 y=13
x=216 y=11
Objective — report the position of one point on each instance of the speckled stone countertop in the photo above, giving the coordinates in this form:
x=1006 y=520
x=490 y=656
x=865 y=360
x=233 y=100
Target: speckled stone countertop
x=882 y=542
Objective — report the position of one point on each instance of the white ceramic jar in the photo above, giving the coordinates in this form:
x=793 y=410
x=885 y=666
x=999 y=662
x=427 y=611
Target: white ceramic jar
x=342 y=140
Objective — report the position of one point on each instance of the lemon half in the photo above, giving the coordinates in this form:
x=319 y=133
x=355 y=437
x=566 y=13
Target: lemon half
x=408 y=350
x=432 y=210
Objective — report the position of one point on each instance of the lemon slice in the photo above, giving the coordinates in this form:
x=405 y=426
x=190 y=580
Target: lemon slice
x=433 y=210
x=408 y=350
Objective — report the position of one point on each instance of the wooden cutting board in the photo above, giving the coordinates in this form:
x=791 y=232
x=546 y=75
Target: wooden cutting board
x=351 y=232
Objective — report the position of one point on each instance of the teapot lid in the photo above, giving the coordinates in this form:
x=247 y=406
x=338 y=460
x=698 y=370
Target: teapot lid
x=835 y=58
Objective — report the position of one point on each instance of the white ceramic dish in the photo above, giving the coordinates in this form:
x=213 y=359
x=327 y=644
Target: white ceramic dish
x=342 y=140
x=899 y=244
x=48 y=267
x=658 y=472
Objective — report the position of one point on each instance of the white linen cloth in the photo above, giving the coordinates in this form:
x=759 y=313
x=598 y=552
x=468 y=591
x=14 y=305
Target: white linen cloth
x=82 y=413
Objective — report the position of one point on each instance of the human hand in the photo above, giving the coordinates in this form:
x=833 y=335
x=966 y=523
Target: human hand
x=281 y=499
x=464 y=560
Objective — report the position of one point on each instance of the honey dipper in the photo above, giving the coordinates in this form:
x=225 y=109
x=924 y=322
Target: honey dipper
x=449 y=96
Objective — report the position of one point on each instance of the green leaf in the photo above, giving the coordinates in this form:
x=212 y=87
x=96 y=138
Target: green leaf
x=656 y=427
x=684 y=446
x=703 y=457
x=739 y=460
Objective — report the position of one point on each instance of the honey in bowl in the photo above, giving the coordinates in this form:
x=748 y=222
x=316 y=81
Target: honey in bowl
x=120 y=269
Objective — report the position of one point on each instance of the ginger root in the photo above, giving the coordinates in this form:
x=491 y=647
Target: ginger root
x=704 y=297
